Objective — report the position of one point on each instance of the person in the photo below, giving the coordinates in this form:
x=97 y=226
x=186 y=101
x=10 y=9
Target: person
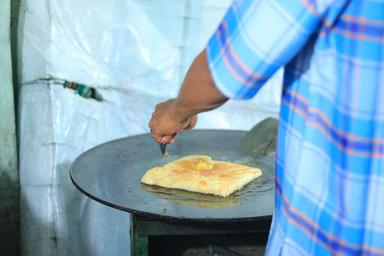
x=329 y=185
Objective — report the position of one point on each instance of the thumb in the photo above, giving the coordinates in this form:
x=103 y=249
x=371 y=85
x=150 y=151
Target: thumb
x=168 y=139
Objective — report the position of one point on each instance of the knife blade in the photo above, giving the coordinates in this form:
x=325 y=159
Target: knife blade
x=163 y=149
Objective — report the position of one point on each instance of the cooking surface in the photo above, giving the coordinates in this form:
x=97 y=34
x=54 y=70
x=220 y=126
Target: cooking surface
x=111 y=173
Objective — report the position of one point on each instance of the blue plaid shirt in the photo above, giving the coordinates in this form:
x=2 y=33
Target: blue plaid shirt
x=330 y=158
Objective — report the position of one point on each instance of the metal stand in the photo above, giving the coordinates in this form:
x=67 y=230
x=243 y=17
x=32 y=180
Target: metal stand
x=143 y=228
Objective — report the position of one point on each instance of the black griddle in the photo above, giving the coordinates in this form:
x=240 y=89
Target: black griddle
x=110 y=174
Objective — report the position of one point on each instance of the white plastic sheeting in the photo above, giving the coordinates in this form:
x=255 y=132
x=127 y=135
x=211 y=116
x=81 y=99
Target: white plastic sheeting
x=135 y=53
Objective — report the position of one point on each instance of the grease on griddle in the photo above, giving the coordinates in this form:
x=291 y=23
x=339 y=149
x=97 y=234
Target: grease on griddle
x=194 y=199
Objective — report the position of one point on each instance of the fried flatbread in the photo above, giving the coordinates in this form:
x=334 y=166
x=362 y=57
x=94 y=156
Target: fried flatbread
x=199 y=173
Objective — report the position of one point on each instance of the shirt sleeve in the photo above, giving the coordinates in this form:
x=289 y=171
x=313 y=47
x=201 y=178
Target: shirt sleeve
x=257 y=37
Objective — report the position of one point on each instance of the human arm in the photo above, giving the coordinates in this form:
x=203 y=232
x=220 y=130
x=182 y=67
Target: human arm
x=254 y=40
x=197 y=94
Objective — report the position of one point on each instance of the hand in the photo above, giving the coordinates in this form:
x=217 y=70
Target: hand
x=167 y=120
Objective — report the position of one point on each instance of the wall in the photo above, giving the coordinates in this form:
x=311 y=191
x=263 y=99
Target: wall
x=135 y=54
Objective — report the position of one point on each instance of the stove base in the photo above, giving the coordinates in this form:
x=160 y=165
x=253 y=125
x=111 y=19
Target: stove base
x=155 y=237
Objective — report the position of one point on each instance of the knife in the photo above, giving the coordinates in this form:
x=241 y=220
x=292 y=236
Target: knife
x=163 y=149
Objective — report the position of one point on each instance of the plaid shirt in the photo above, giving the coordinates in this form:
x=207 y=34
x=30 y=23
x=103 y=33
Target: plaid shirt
x=329 y=190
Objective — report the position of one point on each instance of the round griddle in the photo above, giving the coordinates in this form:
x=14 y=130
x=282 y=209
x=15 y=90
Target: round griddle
x=110 y=174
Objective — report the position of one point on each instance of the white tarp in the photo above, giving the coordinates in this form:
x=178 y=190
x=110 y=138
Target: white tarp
x=135 y=53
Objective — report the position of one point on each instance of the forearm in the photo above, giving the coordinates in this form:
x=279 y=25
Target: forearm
x=198 y=93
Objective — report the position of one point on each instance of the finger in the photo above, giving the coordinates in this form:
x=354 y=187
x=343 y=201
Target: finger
x=153 y=126
x=150 y=124
x=173 y=139
x=158 y=140
x=166 y=139
x=157 y=137
x=192 y=123
x=163 y=139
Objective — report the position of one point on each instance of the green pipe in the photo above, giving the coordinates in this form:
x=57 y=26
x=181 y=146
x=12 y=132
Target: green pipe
x=9 y=176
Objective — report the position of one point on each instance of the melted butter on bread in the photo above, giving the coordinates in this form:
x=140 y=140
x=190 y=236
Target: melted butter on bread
x=201 y=165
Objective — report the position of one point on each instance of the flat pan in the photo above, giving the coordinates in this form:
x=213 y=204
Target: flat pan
x=110 y=174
